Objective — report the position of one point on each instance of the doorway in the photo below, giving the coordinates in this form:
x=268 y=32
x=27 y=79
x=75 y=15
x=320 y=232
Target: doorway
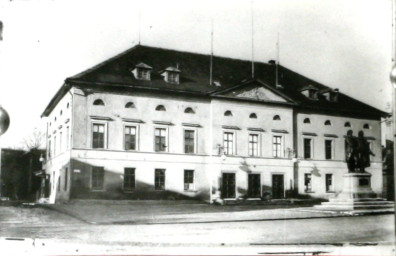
x=278 y=186
x=254 y=186
x=228 y=185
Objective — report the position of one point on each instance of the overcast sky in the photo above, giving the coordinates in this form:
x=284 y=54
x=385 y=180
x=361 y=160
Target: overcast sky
x=343 y=44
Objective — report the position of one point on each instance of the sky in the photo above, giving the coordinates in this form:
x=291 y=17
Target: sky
x=343 y=44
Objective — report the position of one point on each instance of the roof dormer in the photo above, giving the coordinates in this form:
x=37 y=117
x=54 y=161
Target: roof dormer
x=330 y=94
x=171 y=75
x=142 y=71
x=310 y=92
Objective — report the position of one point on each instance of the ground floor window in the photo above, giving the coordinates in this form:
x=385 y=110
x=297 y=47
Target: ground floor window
x=129 y=179
x=188 y=179
x=308 y=182
x=254 y=186
x=97 y=178
x=159 y=179
x=329 y=183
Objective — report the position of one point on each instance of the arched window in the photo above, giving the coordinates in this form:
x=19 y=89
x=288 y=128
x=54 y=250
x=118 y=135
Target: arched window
x=228 y=113
x=253 y=115
x=98 y=102
x=327 y=122
x=347 y=124
x=276 y=118
x=307 y=121
x=366 y=126
x=130 y=105
x=160 y=108
x=189 y=111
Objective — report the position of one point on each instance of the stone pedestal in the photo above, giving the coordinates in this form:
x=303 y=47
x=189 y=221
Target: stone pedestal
x=356 y=195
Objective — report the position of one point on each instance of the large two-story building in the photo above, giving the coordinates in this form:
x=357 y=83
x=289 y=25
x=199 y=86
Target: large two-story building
x=156 y=123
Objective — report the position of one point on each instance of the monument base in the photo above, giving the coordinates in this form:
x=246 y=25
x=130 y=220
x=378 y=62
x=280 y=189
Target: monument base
x=356 y=195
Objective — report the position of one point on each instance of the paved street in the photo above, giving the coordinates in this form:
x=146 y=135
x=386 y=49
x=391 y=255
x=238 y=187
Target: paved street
x=56 y=232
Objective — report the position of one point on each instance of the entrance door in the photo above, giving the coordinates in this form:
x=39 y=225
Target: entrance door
x=277 y=186
x=254 y=185
x=228 y=185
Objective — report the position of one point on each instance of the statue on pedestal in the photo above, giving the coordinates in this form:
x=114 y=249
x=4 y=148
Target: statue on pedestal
x=357 y=152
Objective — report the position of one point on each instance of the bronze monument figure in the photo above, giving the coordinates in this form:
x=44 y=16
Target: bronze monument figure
x=357 y=152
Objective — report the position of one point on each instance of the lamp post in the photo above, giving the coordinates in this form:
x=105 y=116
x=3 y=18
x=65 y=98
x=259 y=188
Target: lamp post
x=4 y=124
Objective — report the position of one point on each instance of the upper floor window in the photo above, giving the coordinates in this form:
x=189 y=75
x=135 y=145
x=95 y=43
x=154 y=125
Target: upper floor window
x=142 y=71
x=276 y=118
x=98 y=135
x=327 y=122
x=130 y=105
x=253 y=144
x=253 y=115
x=307 y=121
x=329 y=149
x=347 y=124
x=228 y=113
x=366 y=126
x=160 y=139
x=67 y=106
x=189 y=111
x=277 y=146
x=189 y=141
x=160 y=108
x=307 y=148
x=98 y=102
x=61 y=112
x=130 y=137
x=228 y=143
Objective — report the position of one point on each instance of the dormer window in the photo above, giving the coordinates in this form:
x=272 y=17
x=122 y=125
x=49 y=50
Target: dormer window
x=310 y=92
x=142 y=71
x=171 y=75
x=330 y=94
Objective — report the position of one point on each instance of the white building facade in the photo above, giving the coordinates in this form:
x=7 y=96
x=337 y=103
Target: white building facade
x=136 y=127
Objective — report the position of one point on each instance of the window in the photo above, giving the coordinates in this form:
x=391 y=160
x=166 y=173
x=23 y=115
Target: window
x=61 y=112
x=189 y=180
x=160 y=139
x=307 y=121
x=49 y=149
x=130 y=105
x=276 y=118
x=228 y=113
x=189 y=111
x=366 y=126
x=189 y=141
x=277 y=146
x=66 y=179
x=329 y=149
x=130 y=137
x=228 y=143
x=159 y=179
x=307 y=148
x=98 y=135
x=253 y=145
x=308 y=182
x=55 y=146
x=347 y=124
x=143 y=74
x=160 y=108
x=58 y=186
x=129 y=179
x=327 y=122
x=98 y=102
x=173 y=77
x=67 y=106
x=329 y=183
x=97 y=178
x=67 y=137
x=253 y=115
x=60 y=142
x=312 y=94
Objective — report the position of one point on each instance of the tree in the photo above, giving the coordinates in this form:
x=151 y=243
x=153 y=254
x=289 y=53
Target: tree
x=36 y=140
